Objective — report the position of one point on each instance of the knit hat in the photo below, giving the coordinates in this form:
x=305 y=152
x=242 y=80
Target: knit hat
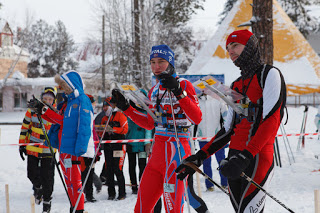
x=91 y=98
x=106 y=101
x=49 y=91
x=162 y=51
x=239 y=36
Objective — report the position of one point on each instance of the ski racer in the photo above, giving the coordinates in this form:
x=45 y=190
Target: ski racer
x=251 y=136
x=159 y=177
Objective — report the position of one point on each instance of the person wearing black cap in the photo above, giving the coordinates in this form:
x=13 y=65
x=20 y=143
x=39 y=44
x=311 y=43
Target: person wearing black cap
x=159 y=177
x=252 y=135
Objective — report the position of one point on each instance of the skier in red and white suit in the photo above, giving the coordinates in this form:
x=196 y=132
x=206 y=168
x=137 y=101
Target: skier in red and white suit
x=252 y=136
x=159 y=175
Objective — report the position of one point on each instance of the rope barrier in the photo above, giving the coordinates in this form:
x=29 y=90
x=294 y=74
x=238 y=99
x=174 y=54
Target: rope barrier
x=150 y=140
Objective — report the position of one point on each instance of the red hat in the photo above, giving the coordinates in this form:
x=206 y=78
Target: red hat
x=239 y=36
x=91 y=98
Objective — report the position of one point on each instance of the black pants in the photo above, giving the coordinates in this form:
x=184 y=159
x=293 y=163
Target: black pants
x=132 y=167
x=41 y=174
x=114 y=168
x=88 y=189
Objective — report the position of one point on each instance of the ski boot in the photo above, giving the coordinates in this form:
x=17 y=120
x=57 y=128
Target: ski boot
x=135 y=189
x=90 y=199
x=37 y=193
x=46 y=206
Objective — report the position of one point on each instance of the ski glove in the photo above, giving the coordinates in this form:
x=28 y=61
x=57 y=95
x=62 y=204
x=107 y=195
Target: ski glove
x=233 y=167
x=36 y=105
x=171 y=83
x=119 y=100
x=22 y=150
x=183 y=170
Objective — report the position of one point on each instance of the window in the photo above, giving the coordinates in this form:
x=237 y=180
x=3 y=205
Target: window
x=20 y=100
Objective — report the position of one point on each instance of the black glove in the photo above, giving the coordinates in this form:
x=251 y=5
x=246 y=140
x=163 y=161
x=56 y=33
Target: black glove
x=119 y=100
x=36 y=105
x=171 y=83
x=183 y=170
x=22 y=150
x=233 y=167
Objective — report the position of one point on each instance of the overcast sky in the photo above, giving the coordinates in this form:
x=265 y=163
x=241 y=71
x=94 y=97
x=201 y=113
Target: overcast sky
x=78 y=18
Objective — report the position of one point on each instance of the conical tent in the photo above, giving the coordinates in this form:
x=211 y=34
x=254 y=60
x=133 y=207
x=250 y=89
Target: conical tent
x=293 y=55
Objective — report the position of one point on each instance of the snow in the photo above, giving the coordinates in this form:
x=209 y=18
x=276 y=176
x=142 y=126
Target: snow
x=293 y=185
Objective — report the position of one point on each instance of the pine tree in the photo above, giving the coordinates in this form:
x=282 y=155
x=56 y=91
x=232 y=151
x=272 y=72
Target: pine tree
x=49 y=47
x=296 y=10
x=173 y=16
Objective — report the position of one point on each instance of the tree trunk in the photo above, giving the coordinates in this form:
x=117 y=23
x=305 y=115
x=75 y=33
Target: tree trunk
x=137 y=68
x=262 y=27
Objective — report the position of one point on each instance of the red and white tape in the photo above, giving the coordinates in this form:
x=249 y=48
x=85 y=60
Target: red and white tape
x=150 y=140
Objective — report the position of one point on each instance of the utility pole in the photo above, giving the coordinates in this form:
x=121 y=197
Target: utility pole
x=262 y=27
x=103 y=58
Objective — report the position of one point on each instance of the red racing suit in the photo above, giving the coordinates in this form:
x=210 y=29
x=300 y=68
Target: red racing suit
x=159 y=176
x=72 y=175
x=256 y=133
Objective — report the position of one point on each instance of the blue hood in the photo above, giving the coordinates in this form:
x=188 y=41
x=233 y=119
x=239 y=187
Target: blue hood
x=74 y=80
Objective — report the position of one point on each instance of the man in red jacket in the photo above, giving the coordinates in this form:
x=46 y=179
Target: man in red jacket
x=159 y=176
x=252 y=136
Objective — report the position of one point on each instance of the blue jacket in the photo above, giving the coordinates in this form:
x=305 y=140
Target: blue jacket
x=136 y=132
x=77 y=120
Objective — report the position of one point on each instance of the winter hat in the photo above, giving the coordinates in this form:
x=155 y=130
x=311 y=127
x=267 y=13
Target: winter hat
x=49 y=92
x=107 y=102
x=239 y=36
x=249 y=61
x=91 y=98
x=162 y=51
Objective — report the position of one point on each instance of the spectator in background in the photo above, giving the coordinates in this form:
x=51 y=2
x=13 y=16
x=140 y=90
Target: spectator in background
x=85 y=165
x=214 y=113
x=115 y=153
x=40 y=165
x=317 y=119
x=99 y=117
x=103 y=176
x=137 y=149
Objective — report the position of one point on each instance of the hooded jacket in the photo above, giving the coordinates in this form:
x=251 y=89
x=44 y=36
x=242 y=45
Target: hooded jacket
x=76 y=120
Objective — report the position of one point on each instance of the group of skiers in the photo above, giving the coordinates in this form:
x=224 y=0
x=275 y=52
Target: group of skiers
x=164 y=167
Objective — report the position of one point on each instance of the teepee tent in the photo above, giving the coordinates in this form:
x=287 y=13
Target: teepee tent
x=293 y=55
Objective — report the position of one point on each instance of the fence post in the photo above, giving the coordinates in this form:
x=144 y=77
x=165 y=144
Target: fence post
x=316 y=201
x=7 y=198
x=32 y=201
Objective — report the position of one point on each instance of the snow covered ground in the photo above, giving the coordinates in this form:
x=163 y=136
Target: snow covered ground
x=293 y=185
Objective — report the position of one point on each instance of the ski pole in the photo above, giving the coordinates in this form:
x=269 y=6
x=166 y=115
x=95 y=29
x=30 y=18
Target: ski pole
x=285 y=137
x=262 y=189
x=178 y=146
x=94 y=157
x=52 y=153
x=195 y=168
